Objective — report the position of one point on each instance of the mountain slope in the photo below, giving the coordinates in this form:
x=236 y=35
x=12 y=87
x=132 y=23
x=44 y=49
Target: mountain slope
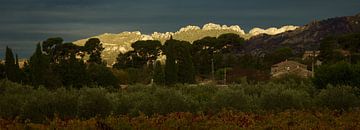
x=307 y=37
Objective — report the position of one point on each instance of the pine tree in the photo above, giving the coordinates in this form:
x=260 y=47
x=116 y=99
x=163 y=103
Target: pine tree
x=94 y=48
x=72 y=72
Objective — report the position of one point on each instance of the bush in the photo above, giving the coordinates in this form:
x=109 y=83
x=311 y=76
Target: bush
x=10 y=105
x=102 y=76
x=94 y=102
x=341 y=73
x=281 y=98
x=142 y=102
x=168 y=100
x=39 y=106
x=12 y=98
x=122 y=103
x=199 y=97
x=136 y=75
x=66 y=103
x=121 y=76
x=231 y=99
x=341 y=97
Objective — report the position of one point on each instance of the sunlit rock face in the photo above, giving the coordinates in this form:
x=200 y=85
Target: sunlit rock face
x=188 y=28
x=157 y=35
x=272 y=31
x=212 y=26
x=121 y=43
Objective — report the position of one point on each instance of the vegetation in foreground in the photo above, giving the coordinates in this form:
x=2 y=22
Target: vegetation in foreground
x=265 y=105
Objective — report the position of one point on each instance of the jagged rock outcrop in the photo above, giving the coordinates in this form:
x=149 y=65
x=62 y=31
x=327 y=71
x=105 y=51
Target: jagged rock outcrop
x=272 y=31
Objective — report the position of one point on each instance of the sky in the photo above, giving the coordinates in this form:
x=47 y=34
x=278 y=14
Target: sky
x=24 y=23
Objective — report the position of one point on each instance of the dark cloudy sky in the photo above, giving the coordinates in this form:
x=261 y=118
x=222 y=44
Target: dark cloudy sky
x=23 y=23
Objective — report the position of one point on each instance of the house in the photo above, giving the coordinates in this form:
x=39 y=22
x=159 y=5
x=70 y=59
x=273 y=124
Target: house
x=290 y=67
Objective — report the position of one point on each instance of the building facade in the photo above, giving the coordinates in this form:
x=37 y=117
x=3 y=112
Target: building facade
x=290 y=68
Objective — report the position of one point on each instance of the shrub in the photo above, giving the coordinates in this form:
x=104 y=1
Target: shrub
x=199 y=97
x=102 y=76
x=341 y=97
x=10 y=105
x=93 y=102
x=142 y=102
x=12 y=98
x=8 y=87
x=66 y=103
x=121 y=75
x=168 y=100
x=341 y=73
x=122 y=103
x=281 y=98
x=232 y=99
x=39 y=106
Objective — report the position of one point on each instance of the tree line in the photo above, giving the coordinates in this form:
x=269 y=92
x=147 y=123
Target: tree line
x=55 y=63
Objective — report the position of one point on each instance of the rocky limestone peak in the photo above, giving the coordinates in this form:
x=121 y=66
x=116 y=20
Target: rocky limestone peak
x=188 y=28
x=272 y=30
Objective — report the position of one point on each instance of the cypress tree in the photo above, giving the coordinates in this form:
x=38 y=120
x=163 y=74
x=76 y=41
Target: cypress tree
x=10 y=67
x=18 y=74
x=159 y=76
x=2 y=70
x=186 y=71
x=17 y=61
x=170 y=66
x=38 y=67
x=40 y=70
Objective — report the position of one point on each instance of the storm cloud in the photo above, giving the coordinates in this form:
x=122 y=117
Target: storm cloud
x=24 y=23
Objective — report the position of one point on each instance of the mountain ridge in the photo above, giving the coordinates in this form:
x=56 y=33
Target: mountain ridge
x=307 y=37
x=121 y=42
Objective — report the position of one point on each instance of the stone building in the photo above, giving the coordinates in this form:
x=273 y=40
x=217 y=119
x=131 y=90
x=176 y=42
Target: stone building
x=290 y=67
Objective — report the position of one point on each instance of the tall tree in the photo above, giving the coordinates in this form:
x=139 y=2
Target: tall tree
x=210 y=50
x=40 y=70
x=170 y=66
x=2 y=70
x=10 y=66
x=94 y=48
x=73 y=72
x=328 y=53
x=203 y=54
x=229 y=43
x=159 y=75
x=179 y=66
x=18 y=72
x=186 y=72
x=144 y=54
x=149 y=49
x=52 y=48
